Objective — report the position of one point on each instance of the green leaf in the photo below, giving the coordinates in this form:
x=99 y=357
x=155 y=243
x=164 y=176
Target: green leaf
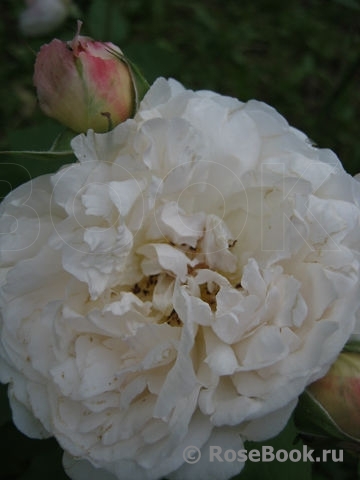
x=20 y=166
x=352 y=346
x=141 y=85
x=62 y=141
x=29 y=155
x=17 y=167
x=312 y=419
x=36 y=137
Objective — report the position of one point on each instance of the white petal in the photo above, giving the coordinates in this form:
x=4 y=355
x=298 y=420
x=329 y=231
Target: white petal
x=78 y=469
x=163 y=257
x=177 y=226
x=24 y=418
x=268 y=426
x=125 y=193
x=222 y=360
x=263 y=348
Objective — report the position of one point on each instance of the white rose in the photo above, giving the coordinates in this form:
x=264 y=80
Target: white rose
x=43 y=16
x=180 y=285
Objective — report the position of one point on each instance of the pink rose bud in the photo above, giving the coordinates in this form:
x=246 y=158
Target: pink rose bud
x=339 y=393
x=84 y=83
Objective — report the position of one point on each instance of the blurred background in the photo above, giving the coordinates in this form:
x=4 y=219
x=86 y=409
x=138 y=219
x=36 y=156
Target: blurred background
x=300 y=56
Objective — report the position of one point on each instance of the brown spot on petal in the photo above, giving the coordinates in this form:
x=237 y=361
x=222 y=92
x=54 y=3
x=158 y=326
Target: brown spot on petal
x=173 y=320
x=145 y=287
x=136 y=289
x=198 y=266
x=208 y=295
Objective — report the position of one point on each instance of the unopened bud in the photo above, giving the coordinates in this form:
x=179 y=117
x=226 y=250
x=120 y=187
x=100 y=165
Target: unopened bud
x=84 y=83
x=339 y=393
